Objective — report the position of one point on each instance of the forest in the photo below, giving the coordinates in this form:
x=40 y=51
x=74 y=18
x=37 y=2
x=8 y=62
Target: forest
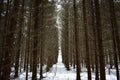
x=59 y=39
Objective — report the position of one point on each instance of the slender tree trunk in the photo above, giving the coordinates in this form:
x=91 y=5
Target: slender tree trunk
x=25 y=58
x=36 y=18
x=21 y=18
x=86 y=41
x=17 y=56
x=2 y=36
x=95 y=41
x=66 y=31
x=28 y=49
x=9 y=42
x=41 y=42
x=100 y=42
x=76 y=43
x=74 y=51
x=115 y=36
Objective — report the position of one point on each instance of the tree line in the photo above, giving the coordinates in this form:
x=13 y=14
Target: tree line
x=28 y=37
x=91 y=36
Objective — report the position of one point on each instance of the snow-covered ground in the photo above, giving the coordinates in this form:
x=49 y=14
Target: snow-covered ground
x=58 y=72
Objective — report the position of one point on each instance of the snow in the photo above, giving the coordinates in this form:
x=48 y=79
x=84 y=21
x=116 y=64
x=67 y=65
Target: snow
x=59 y=72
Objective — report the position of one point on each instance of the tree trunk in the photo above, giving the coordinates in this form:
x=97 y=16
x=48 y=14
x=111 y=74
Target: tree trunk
x=100 y=42
x=76 y=43
x=36 y=18
x=41 y=42
x=21 y=18
x=115 y=35
x=86 y=41
x=95 y=42
x=9 y=42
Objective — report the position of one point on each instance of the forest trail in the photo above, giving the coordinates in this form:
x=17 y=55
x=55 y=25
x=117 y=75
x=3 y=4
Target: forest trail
x=59 y=72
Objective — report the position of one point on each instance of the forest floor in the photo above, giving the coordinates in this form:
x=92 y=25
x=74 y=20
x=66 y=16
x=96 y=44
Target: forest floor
x=59 y=72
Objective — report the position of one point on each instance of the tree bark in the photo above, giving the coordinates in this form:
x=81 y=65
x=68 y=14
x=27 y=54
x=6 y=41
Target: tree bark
x=115 y=36
x=95 y=41
x=20 y=24
x=36 y=18
x=9 y=42
x=76 y=43
x=86 y=41
x=100 y=42
x=41 y=42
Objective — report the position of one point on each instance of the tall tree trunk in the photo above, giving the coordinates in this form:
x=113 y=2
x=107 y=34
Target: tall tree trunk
x=115 y=35
x=95 y=41
x=66 y=31
x=28 y=47
x=76 y=42
x=41 y=42
x=2 y=34
x=9 y=42
x=74 y=50
x=100 y=42
x=86 y=41
x=36 y=19
x=20 y=25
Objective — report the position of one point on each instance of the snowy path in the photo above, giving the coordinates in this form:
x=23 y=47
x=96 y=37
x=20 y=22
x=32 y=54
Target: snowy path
x=58 y=72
